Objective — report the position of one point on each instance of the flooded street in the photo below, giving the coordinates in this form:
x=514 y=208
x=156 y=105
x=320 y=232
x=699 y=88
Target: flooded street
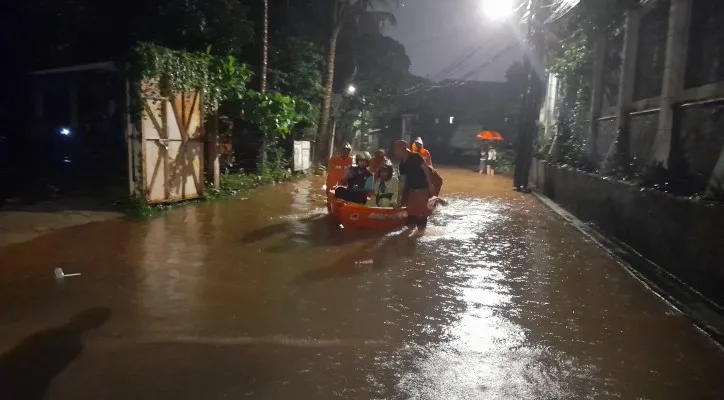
x=262 y=298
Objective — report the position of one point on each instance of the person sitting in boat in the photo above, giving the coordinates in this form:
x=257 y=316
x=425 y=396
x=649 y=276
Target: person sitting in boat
x=378 y=161
x=358 y=182
x=384 y=191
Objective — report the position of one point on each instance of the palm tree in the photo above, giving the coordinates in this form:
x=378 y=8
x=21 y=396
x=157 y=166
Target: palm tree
x=265 y=48
x=264 y=71
x=344 y=12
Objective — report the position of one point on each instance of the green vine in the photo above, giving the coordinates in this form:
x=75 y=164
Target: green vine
x=179 y=71
x=571 y=58
x=576 y=58
x=221 y=80
x=224 y=83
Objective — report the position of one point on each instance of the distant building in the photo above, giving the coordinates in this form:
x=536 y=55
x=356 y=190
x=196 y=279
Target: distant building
x=448 y=115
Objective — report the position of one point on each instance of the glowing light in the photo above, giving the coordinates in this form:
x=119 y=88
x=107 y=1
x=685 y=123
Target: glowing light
x=497 y=10
x=65 y=131
x=351 y=89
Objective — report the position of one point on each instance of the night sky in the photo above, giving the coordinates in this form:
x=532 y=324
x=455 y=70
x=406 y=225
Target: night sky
x=437 y=33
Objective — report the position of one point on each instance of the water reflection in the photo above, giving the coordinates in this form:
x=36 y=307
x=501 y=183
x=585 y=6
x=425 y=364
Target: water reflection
x=171 y=271
x=536 y=301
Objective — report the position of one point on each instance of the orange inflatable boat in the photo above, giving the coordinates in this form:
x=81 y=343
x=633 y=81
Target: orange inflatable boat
x=358 y=216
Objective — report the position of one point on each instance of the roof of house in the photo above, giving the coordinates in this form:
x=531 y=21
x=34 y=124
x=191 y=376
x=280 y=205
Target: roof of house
x=99 y=66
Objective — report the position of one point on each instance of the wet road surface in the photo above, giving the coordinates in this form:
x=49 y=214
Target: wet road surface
x=261 y=298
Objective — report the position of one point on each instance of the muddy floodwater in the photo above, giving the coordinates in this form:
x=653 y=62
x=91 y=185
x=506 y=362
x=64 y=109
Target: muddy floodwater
x=262 y=298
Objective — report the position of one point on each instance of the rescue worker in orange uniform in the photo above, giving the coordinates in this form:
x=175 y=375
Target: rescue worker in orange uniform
x=418 y=148
x=338 y=165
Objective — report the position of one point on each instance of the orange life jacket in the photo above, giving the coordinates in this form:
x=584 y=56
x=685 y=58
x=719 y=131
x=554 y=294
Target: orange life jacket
x=336 y=168
x=423 y=152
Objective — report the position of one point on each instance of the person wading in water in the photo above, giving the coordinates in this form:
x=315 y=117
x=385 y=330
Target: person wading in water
x=491 y=161
x=419 y=148
x=418 y=184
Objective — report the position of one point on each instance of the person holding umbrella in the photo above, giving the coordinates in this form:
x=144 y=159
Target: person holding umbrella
x=489 y=157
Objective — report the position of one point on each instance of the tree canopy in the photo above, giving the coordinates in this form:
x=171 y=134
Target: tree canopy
x=64 y=32
x=60 y=33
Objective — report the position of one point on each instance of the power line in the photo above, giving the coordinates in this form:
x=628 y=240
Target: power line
x=460 y=61
x=461 y=81
x=438 y=37
x=446 y=71
x=476 y=70
x=451 y=68
x=457 y=64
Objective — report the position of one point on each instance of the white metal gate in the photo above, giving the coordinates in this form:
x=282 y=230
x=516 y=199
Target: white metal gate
x=302 y=155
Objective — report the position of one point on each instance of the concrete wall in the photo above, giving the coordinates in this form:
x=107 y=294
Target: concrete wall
x=669 y=58
x=683 y=236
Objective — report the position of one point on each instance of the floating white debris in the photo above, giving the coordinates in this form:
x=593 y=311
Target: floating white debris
x=60 y=275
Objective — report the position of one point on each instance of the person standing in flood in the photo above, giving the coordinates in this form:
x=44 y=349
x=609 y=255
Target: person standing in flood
x=483 y=160
x=338 y=165
x=418 y=147
x=418 y=184
x=491 y=161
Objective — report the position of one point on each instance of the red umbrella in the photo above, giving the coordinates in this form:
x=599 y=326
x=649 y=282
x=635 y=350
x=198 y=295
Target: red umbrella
x=490 y=135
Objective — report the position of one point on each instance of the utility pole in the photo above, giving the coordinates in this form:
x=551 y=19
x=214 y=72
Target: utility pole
x=363 y=125
x=530 y=103
x=265 y=47
x=264 y=72
x=331 y=138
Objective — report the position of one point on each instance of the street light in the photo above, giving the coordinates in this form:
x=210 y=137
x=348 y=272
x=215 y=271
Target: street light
x=497 y=10
x=351 y=89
